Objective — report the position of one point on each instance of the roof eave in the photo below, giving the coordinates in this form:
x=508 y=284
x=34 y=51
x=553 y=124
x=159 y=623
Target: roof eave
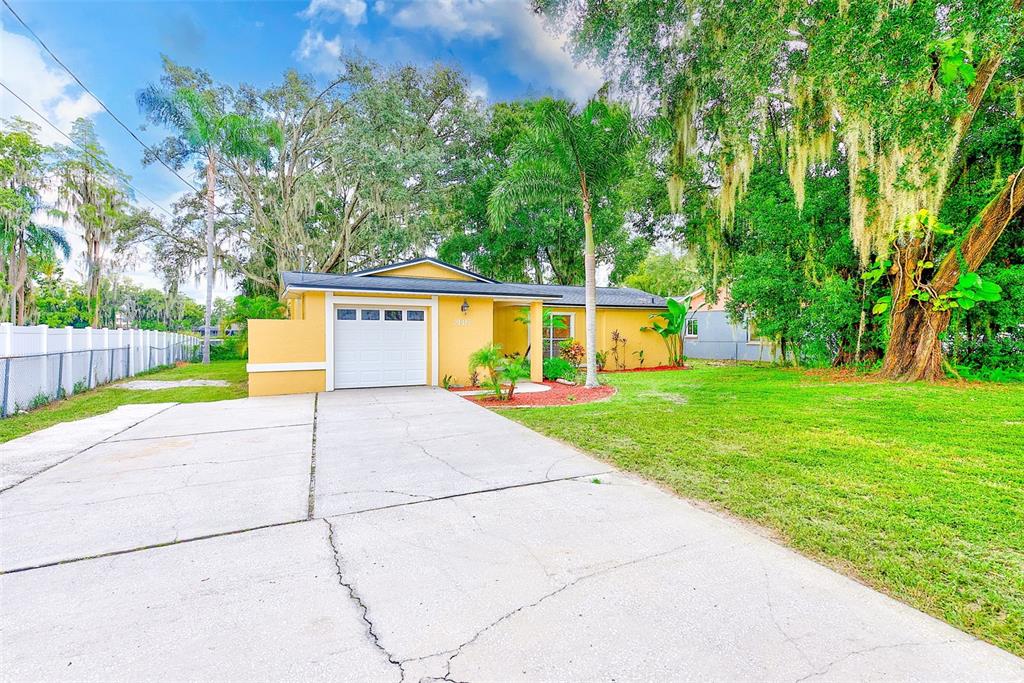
x=525 y=298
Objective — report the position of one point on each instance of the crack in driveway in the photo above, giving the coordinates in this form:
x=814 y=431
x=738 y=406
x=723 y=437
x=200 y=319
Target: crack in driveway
x=564 y=587
x=364 y=612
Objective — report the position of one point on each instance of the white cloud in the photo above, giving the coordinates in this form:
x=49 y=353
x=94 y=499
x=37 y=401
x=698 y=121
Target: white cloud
x=380 y=7
x=319 y=52
x=354 y=11
x=531 y=52
x=478 y=88
x=48 y=88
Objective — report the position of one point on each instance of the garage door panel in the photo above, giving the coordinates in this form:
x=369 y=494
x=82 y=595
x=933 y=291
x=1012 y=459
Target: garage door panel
x=372 y=351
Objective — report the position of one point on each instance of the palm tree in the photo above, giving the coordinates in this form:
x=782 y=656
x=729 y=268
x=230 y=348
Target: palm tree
x=206 y=131
x=27 y=243
x=93 y=194
x=574 y=157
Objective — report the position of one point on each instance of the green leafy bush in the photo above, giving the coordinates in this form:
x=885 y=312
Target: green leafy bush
x=558 y=368
x=511 y=371
x=230 y=349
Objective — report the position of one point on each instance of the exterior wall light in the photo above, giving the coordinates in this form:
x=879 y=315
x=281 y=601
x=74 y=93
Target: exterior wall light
x=465 y=306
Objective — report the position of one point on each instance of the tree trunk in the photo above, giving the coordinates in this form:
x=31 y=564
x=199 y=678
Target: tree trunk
x=915 y=350
x=12 y=277
x=590 y=270
x=211 y=206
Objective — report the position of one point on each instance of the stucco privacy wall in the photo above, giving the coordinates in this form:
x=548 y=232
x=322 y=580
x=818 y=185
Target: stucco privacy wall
x=300 y=339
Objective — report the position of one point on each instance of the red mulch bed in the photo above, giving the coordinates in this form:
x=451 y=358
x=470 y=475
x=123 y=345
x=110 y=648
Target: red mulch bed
x=558 y=395
x=653 y=368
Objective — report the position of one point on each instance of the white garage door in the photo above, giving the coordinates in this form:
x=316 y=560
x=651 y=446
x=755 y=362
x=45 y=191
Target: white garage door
x=377 y=346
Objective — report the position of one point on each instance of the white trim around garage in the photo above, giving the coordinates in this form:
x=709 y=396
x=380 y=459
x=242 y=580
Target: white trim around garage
x=285 y=367
x=331 y=300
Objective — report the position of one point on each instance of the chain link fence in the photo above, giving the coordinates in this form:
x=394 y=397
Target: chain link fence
x=183 y=351
x=33 y=380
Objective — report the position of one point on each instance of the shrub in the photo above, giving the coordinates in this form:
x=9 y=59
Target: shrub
x=572 y=351
x=513 y=370
x=488 y=357
x=558 y=368
x=227 y=350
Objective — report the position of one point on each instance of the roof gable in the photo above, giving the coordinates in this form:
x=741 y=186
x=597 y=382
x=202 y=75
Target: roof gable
x=425 y=267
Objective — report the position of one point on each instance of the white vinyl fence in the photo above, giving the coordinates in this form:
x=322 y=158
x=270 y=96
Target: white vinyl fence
x=39 y=365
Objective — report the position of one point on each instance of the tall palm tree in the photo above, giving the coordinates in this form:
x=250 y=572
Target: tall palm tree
x=27 y=242
x=574 y=157
x=206 y=131
x=94 y=195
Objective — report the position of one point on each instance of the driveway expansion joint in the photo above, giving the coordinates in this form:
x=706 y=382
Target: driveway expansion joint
x=214 y=431
x=153 y=546
x=90 y=446
x=311 y=501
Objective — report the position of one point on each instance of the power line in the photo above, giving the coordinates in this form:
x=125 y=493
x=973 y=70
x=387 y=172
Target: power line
x=80 y=146
x=98 y=100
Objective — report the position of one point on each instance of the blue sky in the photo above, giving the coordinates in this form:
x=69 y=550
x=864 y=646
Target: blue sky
x=115 y=48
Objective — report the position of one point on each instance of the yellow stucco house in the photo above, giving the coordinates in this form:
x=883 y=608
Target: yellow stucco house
x=417 y=322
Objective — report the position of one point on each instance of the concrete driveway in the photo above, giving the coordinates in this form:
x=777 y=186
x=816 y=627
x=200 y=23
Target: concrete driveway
x=407 y=534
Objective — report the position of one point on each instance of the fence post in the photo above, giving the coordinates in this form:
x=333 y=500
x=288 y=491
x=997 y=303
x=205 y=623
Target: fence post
x=60 y=376
x=7 y=385
x=69 y=346
x=132 y=361
x=117 y=345
x=89 y=346
x=5 y=338
x=44 y=365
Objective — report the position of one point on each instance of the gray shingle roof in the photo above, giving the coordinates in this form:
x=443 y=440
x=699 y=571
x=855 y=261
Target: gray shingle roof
x=564 y=295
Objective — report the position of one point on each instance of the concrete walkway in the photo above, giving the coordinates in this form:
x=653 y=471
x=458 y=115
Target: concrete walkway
x=407 y=534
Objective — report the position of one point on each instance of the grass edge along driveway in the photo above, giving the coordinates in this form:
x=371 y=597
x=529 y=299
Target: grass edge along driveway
x=914 y=489
x=106 y=397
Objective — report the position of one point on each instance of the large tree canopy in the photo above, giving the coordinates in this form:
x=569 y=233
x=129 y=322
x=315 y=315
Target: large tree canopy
x=897 y=83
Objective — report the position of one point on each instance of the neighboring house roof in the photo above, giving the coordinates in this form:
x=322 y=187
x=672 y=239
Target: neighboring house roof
x=425 y=259
x=555 y=295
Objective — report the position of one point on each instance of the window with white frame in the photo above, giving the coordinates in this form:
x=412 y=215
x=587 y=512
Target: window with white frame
x=560 y=328
x=691 y=327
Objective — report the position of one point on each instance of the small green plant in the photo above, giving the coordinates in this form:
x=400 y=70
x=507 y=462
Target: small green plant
x=79 y=387
x=447 y=382
x=595 y=480
x=38 y=401
x=639 y=357
x=619 y=355
x=513 y=370
x=558 y=368
x=488 y=357
x=602 y=359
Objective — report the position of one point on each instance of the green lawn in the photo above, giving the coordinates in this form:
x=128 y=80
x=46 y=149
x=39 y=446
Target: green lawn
x=105 y=398
x=917 y=489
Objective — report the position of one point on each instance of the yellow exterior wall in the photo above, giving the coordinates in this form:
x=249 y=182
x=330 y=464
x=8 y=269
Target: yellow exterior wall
x=300 y=339
x=512 y=335
x=291 y=382
x=427 y=270
x=628 y=322
x=460 y=334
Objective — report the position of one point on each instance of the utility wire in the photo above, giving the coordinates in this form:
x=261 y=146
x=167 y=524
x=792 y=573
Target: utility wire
x=80 y=146
x=98 y=100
